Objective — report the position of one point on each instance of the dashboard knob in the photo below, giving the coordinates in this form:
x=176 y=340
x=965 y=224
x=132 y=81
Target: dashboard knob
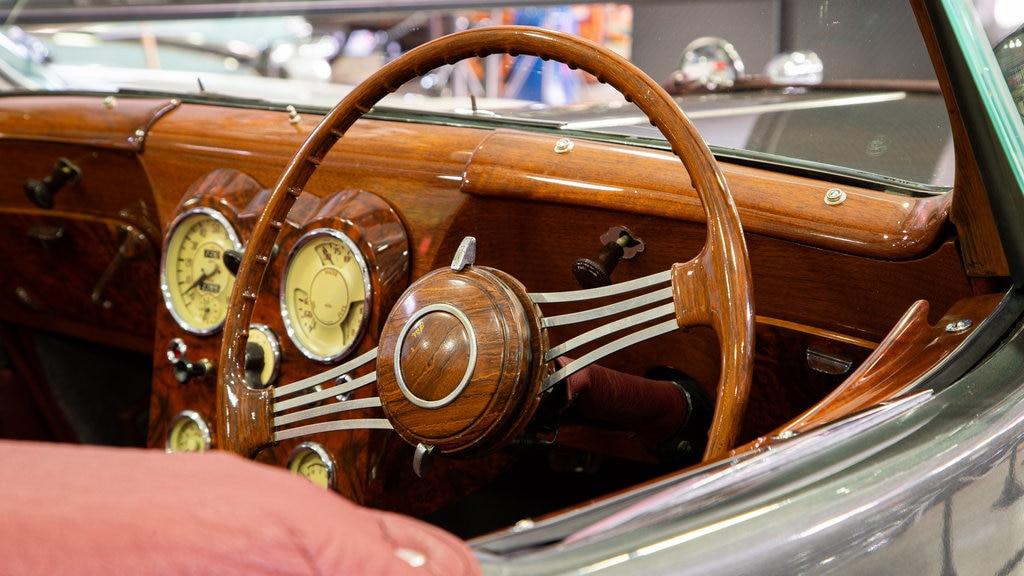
x=232 y=260
x=185 y=370
x=42 y=191
x=597 y=272
x=255 y=361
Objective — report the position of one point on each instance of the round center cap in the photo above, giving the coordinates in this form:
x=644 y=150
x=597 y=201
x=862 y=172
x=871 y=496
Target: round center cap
x=435 y=356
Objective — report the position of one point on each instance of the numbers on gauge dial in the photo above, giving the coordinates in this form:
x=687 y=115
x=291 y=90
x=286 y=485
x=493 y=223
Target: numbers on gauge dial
x=196 y=284
x=324 y=295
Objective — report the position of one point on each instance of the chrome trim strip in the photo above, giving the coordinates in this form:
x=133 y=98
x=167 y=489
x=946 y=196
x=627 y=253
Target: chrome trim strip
x=611 y=328
x=332 y=408
x=601 y=352
x=327 y=375
x=609 y=310
x=591 y=293
x=335 y=426
x=326 y=393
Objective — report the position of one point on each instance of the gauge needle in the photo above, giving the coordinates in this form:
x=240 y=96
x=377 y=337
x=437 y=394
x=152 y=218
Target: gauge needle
x=202 y=278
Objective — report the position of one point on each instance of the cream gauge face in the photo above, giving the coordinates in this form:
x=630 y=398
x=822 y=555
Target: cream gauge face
x=311 y=461
x=188 y=433
x=195 y=283
x=325 y=295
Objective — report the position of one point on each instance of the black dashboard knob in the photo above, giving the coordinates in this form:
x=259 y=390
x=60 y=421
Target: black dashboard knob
x=42 y=191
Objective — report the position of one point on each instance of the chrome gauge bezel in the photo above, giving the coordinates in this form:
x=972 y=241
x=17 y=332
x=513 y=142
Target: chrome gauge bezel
x=165 y=287
x=184 y=418
x=287 y=315
x=313 y=449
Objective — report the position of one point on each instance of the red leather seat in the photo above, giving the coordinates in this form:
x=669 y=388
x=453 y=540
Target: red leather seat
x=70 y=509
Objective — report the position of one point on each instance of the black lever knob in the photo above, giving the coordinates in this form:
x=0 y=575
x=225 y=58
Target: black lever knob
x=42 y=192
x=254 y=364
x=185 y=370
x=232 y=260
x=597 y=272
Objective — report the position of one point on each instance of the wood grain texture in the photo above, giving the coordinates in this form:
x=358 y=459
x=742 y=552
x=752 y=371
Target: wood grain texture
x=100 y=122
x=869 y=223
x=95 y=289
x=909 y=351
x=912 y=348
x=970 y=211
x=464 y=376
x=726 y=259
x=825 y=277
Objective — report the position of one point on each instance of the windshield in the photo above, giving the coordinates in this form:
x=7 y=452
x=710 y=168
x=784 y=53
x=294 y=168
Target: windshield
x=842 y=87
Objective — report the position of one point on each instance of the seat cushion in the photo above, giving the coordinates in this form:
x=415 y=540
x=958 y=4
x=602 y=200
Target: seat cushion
x=72 y=509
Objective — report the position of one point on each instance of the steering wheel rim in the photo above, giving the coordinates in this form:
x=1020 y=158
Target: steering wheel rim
x=244 y=414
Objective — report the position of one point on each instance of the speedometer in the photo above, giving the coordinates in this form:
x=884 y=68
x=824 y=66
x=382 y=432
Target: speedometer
x=325 y=294
x=195 y=283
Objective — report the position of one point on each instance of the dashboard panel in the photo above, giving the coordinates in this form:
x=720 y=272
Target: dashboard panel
x=399 y=198
x=342 y=258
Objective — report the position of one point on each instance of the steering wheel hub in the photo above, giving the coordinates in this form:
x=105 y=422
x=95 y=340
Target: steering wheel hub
x=457 y=367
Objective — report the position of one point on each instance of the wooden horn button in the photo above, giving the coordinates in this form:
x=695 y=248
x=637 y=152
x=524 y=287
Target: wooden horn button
x=455 y=367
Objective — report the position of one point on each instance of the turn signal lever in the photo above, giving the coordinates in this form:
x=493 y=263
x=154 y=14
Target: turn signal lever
x=41 y=192
x=619 y=243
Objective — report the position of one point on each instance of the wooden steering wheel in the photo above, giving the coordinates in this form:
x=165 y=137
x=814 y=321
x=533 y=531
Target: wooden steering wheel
x=480 y=392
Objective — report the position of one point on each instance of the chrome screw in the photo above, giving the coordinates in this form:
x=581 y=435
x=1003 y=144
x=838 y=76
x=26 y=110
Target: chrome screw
x=564 y=145
x=834 y=197
x=958 y=326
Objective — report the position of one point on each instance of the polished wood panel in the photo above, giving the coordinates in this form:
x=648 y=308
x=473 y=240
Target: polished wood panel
x=103 y=122
x=415 y=168
x=113 y=183
x=89 y=223
x=848 y=295
x=912 y=349
x=525 y=166
x=102 y=264
x=970 y=211
x=909 y=352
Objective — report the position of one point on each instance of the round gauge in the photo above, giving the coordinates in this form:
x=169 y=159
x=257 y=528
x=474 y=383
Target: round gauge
x=188 y=433
x=195 y=283
x=262 y=356
x=311 y=461
x=325 y=295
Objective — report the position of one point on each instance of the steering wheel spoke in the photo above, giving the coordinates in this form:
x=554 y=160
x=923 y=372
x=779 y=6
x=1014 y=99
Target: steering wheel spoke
x=690 y=287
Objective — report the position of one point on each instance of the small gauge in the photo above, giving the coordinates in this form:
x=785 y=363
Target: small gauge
x=262 y=356
x=195 y=283
x=311 y=461
x=325 y=295
x=188 y=433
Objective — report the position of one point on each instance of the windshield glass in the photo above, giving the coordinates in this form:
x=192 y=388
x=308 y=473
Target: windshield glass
x=844 y=87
